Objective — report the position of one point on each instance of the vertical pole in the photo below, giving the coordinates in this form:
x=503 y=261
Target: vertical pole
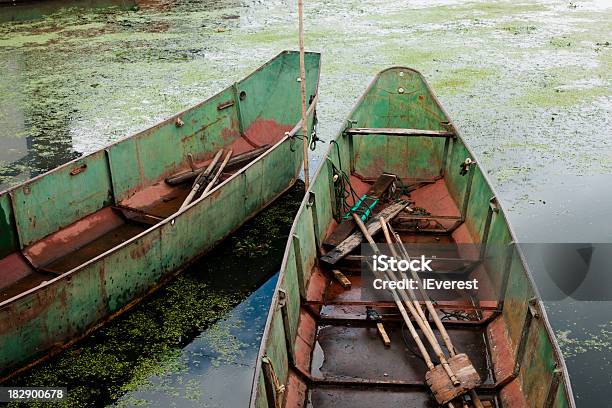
x=303 y=92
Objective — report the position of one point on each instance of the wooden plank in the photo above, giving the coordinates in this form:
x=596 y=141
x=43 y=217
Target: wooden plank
x=443 y=389
x=383 y=334
x=354 y=240
x=342 y=279
x=399 y=132
x=239 y=159
x=137 y=216
x=347 y=227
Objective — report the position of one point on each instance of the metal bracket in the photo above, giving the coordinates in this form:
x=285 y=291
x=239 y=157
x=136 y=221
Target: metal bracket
x=468 y=190
x=506 y=276
x=312 y=204
x=299 y=266
x=494 y=204
x=554 y=387
x=282 y=298
x=274 y=389
x=282 y=305
x=531 y=313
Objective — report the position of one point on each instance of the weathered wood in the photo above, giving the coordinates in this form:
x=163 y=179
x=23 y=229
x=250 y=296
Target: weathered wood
x=383 y=334
x=239 y=159
x=399 y=132
x=428 y=333
x=354 y=240
x=138 y=216
x=200 y=180
x=342 y=279
x=346 y=227
x=218 y=173
x=447 y=340
x=396 y=299
x=443 y=389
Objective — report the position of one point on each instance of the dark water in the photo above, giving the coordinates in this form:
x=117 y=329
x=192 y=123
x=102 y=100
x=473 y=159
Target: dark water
x=18 y=10
x=194 y=342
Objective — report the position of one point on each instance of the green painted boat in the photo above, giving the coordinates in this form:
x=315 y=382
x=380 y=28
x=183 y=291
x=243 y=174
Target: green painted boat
x=321 y=348
x=87 y=240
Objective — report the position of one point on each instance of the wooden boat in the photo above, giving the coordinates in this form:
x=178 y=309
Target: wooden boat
x=85 y=241
x=321 y=346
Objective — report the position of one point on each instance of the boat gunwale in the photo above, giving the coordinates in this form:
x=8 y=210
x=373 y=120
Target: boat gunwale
x=171 y=218
x=559 y=360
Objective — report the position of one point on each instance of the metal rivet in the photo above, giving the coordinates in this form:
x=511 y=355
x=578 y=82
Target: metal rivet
x=179 y=122
x=401 y=73
x=400 y=90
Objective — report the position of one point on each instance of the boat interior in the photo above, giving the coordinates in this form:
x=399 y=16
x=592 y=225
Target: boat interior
x=341 y=346
x=330 y=343
x=61 y=220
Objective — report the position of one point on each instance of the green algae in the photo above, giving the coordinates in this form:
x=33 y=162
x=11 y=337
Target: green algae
x=573 y=345
x=460 y=80
x=519 y=28
x=145 y=342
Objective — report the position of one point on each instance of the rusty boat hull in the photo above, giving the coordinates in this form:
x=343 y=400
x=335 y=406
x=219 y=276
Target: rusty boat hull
x=320 y=349
x=87 y=240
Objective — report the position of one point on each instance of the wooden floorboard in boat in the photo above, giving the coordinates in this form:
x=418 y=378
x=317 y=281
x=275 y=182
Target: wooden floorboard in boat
x=323 y=397
x=358 y=352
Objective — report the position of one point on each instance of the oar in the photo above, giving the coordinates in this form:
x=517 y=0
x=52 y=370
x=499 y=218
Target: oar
x=217 y=174
x=411 y=295
x=398 y=302
x=432 y=340
x=447 y=340
x=202 y=177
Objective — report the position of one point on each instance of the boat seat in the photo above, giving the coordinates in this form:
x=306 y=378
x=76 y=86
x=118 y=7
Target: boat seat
x=82 y=240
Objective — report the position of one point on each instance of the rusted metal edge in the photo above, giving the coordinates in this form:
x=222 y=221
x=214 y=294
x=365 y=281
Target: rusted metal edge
x=225 y=105
x=390 y=304
x=362 y=322
x=338 y=381
x=506 y=274
x=283 y=268
x=553 y=388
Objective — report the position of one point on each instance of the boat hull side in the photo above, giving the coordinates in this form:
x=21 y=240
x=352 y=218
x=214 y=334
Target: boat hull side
x=43 y=321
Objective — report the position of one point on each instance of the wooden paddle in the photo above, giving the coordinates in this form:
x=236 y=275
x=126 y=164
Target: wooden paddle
x=200 y=179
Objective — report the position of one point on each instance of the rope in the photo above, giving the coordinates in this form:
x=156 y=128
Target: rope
x=343 y=190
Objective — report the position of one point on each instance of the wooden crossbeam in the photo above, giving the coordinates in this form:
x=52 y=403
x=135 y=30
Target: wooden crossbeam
x=400 y=132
